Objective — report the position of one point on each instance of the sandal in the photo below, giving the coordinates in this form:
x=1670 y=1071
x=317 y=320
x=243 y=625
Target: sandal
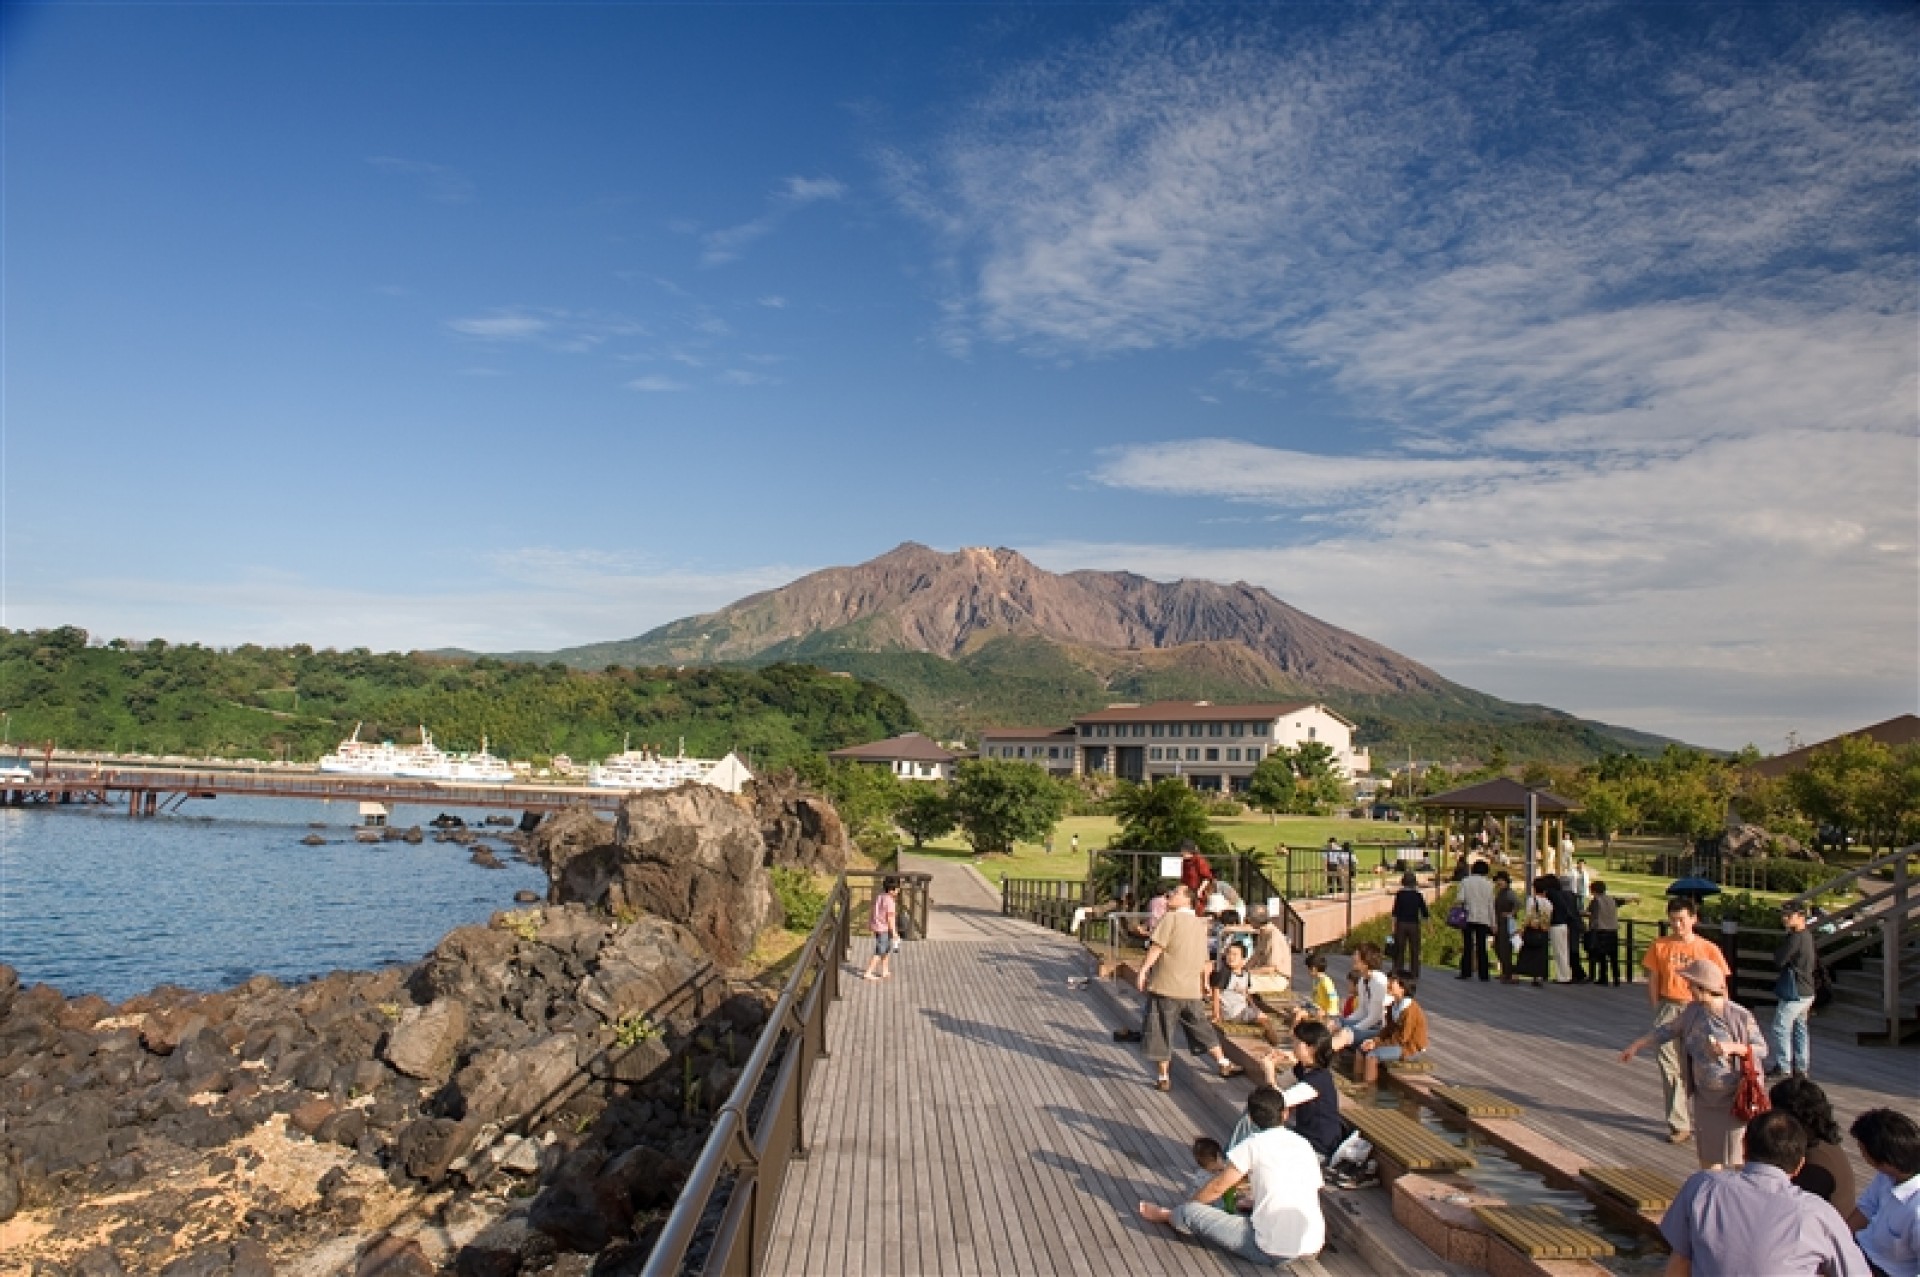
x=1231 y=1069
x=1164 y=1084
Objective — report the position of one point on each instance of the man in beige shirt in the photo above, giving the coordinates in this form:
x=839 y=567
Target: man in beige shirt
x=1174 y=978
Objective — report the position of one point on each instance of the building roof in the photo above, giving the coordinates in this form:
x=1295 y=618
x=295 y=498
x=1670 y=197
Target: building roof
x=1024 y=733
x=1501 y=794
x=1202 y=712
x=1904 y=730
x=911 y=748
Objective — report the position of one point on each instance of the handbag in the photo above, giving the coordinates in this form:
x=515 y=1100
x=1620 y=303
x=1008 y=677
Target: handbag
x=1269 y=983
x=1750 y=1100
x=1457 y=916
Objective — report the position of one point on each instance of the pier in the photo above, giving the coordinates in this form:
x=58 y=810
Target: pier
x=155 y=789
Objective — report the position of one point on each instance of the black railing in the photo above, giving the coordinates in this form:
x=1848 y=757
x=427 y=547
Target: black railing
x=915 y=905
x=1050 y=902
x=762 y=1126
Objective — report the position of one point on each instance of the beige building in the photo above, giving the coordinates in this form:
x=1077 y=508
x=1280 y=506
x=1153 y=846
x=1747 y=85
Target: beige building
x=910 y=757
x=1054 y=748
x=1210 y=746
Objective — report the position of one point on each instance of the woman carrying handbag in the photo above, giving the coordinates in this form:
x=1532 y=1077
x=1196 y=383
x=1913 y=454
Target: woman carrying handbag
x=1721 y=1049
x=1535 y=925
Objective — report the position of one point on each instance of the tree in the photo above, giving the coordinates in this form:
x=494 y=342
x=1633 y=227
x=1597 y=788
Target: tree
x=926 y=813
x=1272 y=788
x=1161 y=816
x=1607 y=812
x=867 y=797
x=997 y=802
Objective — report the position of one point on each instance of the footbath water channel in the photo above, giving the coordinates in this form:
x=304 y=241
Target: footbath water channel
x=1500 y=1176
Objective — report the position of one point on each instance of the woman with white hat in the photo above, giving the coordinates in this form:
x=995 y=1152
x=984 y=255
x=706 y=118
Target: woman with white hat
x=1715 y=1036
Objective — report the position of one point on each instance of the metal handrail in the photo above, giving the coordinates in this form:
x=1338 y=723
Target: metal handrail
x=757 y=1159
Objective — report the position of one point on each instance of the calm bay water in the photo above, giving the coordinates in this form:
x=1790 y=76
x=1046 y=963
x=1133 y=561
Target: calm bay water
x=93 y=902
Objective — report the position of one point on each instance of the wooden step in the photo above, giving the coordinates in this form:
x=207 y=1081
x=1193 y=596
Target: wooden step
x=1476 y=1102
x=1638 y=1187
x=1542 y=1232
x=1405 y=1141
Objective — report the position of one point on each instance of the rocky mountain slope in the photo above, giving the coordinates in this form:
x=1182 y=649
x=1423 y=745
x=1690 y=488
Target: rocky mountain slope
x=981 y=636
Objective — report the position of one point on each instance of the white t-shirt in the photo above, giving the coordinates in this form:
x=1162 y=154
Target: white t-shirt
x=1284 y=1176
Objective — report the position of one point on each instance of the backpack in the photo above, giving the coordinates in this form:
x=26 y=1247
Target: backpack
x=1822 y=985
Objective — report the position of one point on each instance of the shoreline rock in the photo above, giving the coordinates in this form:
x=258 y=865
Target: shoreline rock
x=521 y=1093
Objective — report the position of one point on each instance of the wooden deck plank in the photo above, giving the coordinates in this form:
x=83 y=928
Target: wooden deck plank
x=1003 y=1131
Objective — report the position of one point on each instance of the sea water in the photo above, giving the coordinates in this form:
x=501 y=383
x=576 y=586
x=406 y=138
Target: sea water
x=93 y=901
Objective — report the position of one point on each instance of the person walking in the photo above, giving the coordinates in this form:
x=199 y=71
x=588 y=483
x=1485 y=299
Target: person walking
x=1603 y=934
x=1669 y=994
x=1794 y=960
x=1713 y=1035
x=1410 y=914
x=1506 y=927
x=1565 y=933
x=1477 y=899
x=1174 y=978
x=884 y=922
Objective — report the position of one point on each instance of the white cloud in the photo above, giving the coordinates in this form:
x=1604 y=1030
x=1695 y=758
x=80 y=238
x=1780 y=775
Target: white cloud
x=436 y=181
x=747 y=377
x=729 y=243
x=656 y=384
x=567 y=332
x=773 y=301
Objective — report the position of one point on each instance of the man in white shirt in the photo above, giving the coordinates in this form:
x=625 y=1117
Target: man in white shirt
x=1283 y=1176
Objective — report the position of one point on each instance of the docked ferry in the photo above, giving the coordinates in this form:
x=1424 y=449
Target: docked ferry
x=425 y=761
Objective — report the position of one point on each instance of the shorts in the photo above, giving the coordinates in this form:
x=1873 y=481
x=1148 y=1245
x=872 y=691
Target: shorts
x=884 y=943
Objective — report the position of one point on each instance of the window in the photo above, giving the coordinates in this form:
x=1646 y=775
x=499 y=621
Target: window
x=1021 y=752
x=1193 y=755
x=1101 y=730
x=1253 y=754
x=1159 y=729
x=1312 y=732
x=1216 y=729
x=1195 y=729
x=1236 y=729
x=1053 y=751
x=1174 y=729
x=1139 y=729
x=1233 y=755
x=1154 y=753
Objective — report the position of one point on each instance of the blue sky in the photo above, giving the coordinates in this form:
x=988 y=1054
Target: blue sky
x=1569 y=349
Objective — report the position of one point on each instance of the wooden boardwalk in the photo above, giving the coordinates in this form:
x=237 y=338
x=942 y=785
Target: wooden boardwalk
x=1556 y=1051
x=976 y=1117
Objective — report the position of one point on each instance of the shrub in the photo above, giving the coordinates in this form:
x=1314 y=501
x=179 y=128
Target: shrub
x=1440 y=945
x=1793 y=876
x=801 y=898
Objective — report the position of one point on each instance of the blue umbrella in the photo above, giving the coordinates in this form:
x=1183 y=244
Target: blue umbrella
x=1693 y=887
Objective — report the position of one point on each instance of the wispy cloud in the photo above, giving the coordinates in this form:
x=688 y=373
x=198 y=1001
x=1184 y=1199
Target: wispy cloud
x=729 y=243
x=773 y=301
x=436 y=181
x=1632 y=333
x=570 y=332
x=655 y=384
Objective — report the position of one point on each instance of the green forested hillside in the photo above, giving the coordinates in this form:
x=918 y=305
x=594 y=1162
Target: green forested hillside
x=297 y=703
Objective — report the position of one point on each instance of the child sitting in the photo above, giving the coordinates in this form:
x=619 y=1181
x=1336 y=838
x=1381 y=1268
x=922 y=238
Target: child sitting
x=1232 y=990
x=1405 y=1034
x=1211 y=1159
x=1322 y=992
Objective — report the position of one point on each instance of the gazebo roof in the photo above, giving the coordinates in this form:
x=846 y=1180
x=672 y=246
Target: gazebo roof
x=1499 y=795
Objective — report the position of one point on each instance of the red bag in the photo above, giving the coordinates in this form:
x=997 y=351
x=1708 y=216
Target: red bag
x=1750 y=1100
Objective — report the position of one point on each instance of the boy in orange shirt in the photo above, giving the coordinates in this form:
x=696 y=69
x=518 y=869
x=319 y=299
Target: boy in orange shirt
x=1669 y=994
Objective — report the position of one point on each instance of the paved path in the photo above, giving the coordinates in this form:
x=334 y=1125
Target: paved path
x=976 y=1117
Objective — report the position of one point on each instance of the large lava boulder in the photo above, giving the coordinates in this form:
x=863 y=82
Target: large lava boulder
x=692 y=855
x=564 y=837
x=801 y=829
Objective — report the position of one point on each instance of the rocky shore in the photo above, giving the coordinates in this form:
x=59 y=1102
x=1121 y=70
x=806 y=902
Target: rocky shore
x=527 y=1099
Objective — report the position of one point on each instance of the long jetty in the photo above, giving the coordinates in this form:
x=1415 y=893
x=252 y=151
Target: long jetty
x=153 y=789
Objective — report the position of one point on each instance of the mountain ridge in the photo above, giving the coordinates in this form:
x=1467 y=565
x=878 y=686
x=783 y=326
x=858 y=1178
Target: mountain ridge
x=983 y=637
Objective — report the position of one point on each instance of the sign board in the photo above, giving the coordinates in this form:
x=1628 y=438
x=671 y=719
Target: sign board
x=1170 y=867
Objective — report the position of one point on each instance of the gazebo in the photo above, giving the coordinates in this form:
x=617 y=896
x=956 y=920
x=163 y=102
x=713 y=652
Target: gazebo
x=1502 y=798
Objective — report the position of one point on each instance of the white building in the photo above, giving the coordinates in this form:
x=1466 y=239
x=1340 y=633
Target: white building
x=1210 y=746
x=910 y=757
x=1054 y=748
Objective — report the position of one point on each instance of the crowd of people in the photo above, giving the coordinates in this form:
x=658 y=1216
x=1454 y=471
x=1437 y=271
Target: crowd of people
x=1775 y=1193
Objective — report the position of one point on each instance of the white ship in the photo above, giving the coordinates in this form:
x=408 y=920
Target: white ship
x=635 y=769
x=425 y=761
x=355 y=757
